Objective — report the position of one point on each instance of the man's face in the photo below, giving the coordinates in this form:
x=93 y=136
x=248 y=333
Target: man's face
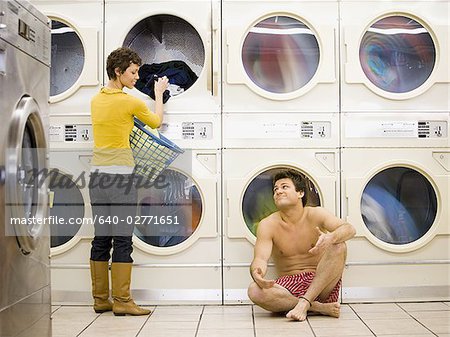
x=284 y=193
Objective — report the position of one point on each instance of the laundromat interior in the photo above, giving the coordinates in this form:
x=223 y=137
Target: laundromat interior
x=354 y=95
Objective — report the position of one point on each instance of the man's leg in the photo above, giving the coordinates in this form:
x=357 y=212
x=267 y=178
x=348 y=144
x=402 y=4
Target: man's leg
x=328 y=273
x=279 y=299
x=275 y=299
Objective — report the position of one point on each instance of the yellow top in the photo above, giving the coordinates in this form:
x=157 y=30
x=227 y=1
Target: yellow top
x=112 y=112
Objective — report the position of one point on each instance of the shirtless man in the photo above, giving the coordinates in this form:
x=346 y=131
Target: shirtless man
x=308 y=247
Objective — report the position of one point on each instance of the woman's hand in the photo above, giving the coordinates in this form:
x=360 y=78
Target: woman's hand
x=161 y=85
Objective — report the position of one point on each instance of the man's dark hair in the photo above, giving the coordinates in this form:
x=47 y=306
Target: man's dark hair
x=297 y=179
x=121 y=58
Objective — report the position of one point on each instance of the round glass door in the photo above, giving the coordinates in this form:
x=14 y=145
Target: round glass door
x=399 y=205
x=169 y=46
x=258 y=197
x=397 y=54
x=280 y=54
x=67 y=58
x=26 y=189
x=68 y=205
x=28 y=183
x=169 y=215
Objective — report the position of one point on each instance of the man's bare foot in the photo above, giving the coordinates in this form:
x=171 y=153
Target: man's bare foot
x=328 y=309
x=300 y=310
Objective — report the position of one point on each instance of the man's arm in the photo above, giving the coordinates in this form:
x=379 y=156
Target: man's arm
x=262 y=252
x=338 y=230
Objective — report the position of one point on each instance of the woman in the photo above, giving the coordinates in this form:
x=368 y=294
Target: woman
x=111 y=188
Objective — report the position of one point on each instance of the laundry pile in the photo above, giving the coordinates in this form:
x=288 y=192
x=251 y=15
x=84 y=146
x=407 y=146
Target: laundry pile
x=180 y=76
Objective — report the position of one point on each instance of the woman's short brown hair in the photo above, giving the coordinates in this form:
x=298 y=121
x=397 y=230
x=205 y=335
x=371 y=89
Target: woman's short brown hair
x=121 y=58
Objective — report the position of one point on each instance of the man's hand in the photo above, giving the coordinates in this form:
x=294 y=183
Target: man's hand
x=260 y=280
x=324 y=241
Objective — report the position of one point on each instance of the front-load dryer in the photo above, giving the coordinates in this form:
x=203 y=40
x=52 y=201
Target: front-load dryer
x=395 y=56
x=280 y=56
x=177 y=243
x=179 y=39
x=71 y=235
x=77 y=67
x=25 y=305
x=309 y=146
x=397 y=199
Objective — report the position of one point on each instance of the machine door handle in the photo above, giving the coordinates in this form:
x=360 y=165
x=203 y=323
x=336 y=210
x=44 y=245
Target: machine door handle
x=2 y=175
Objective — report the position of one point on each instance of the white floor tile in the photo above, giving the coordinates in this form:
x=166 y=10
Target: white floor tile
x=438 y=325
x=430 y=314
x=395 y=326
x=225 y=324
x=425 y=306
x=171 y=325
x=376 y=307
x=228 y=309
x=227 y=317
x=383 y=315
x=374 y=319
x=226 y=333
x=166 y=333
x=178 y=310
x=283 y=332
x=163 y=317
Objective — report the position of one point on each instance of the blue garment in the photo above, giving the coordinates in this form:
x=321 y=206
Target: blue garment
x=178 y=73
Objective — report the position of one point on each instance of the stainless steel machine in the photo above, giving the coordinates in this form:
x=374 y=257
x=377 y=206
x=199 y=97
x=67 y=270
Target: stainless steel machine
x=25 y=305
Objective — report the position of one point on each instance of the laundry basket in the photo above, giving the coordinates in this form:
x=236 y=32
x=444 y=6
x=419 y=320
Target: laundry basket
x=152 y=154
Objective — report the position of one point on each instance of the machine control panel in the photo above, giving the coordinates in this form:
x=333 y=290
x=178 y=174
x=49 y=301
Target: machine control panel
x=432 y=129
x=77 y=133
x=187 y=130
x=196 y=130
x=71 y=133
x=397 y=129
x=315 y=130
x=22 y=26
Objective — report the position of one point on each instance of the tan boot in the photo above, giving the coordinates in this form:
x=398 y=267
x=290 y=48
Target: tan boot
x=100 y=286
x=121 y=280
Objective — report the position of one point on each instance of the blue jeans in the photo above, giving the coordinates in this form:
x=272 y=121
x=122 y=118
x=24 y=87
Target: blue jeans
x=114 y=204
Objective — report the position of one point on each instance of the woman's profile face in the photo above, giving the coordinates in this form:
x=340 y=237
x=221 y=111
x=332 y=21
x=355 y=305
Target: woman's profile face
x=129 y=77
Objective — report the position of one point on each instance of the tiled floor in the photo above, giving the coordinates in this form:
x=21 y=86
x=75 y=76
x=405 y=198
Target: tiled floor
x=378 y=319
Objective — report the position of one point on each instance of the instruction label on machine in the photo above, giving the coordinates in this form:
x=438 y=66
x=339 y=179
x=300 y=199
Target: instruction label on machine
x=56 y=133
x=251 y=129
x=381 y=129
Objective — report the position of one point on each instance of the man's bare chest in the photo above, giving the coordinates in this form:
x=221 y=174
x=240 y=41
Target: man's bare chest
x=294 y=241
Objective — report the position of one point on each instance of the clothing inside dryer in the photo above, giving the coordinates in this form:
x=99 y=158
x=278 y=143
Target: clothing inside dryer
x=169 y=46
x=280 y=54
x=168 y=215
x=399 y=205
x=397 y=54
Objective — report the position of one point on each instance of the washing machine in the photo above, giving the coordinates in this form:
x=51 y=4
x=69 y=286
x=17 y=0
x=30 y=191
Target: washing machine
x=77 y=62
x=177 y=246
x=395 y=192
x=310 y=146
x=280 y=56
x=24 y=222
x=180 y=40
x=70 y=163
x=394 y=56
